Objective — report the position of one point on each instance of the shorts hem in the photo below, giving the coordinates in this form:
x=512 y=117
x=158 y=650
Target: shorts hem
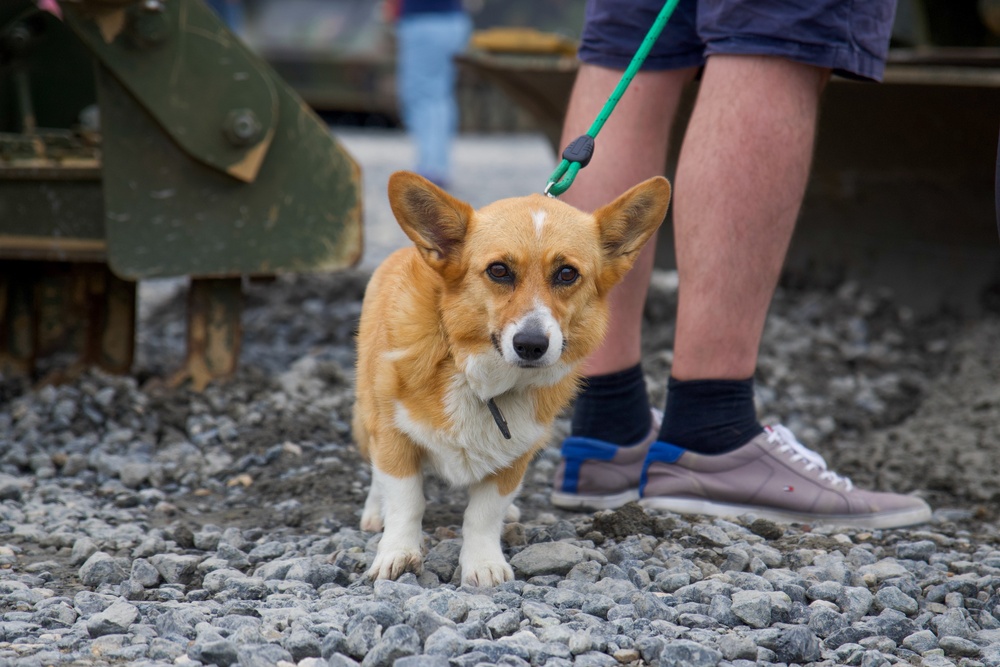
x=653 y=63
x=843 y=61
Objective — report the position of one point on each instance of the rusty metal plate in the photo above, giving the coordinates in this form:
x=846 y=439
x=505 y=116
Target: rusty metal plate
x=169 y=215
x=214 y=334
x=53 y=218
x=50 y=308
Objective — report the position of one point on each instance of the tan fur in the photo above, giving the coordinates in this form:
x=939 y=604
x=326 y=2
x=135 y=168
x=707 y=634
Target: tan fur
x=509 y=479
x=432 y=314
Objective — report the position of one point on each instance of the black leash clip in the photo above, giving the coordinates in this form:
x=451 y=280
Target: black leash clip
x=575 y=157
x=580 y=150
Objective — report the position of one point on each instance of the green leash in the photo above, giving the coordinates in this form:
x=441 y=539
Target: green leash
x=577 y=155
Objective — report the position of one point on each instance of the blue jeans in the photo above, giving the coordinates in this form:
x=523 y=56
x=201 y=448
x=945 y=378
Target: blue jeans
x=426 y=84
x=230 y=11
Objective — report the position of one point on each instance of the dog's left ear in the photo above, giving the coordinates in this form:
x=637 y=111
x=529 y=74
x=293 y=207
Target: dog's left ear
x=627 y=223
x=434 y=220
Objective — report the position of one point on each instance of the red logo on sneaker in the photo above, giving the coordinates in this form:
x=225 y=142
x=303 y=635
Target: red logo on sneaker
x=789 y=489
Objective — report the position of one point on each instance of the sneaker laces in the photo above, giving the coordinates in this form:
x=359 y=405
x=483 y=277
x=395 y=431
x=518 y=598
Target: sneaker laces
x=656 y=416
x=787 y=444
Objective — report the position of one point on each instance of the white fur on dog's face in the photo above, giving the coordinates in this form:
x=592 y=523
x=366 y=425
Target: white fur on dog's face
x=538 y=320
x=488 y=374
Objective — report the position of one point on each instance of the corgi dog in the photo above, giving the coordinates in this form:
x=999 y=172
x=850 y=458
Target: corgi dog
x=470 y=344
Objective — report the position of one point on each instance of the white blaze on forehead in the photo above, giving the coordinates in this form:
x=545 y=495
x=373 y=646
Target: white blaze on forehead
x=539 y=218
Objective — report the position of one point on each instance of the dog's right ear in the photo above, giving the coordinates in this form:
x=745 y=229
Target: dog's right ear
x=434 y=220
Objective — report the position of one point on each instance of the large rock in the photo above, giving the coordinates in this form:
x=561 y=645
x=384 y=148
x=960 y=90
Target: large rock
x=753 y=608
x=101 y=568
x=797 y=645
x=396 y=642
x=677 y=653
x=115 y=620
x=547 y=558
x=175 y=568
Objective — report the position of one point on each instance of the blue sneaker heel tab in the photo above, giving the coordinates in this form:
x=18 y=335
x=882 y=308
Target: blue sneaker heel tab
x=659 y=452
x=575 y=450
x=577 y=447
x=664 y=452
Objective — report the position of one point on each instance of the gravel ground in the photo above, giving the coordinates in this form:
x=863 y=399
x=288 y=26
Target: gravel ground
x=142 y=525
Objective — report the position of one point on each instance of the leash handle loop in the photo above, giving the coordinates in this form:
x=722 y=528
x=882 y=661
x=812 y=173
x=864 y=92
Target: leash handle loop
x=562 y=178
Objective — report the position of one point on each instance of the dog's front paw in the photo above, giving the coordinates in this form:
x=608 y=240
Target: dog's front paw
x=391 y=564
x=486 y=573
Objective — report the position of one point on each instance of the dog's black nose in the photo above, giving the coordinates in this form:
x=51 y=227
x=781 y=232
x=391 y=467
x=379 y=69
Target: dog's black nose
x=531 y=345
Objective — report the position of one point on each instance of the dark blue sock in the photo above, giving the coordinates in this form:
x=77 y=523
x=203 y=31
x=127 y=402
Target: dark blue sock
x=613 y=407
x=710 y=416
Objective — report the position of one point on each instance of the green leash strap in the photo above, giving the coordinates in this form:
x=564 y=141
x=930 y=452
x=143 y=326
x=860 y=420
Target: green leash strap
x=578 y=153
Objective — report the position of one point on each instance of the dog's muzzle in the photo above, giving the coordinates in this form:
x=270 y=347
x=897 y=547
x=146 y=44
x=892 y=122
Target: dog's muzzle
x=533 y=341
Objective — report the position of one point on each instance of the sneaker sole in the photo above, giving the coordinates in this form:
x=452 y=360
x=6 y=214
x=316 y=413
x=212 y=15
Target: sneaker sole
x=868 y=521
x=574 y=501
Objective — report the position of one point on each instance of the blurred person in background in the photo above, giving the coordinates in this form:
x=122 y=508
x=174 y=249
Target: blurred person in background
x=429 y=34
x=230 y=11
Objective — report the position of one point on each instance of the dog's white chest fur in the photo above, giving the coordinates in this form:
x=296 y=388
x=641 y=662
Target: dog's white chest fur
x=473 y=446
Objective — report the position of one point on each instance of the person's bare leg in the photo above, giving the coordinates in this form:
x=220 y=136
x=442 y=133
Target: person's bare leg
x=740 y=180
x=630 y=148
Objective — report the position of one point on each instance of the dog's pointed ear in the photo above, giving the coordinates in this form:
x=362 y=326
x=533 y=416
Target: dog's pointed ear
x=627 y=223
x=434 y=220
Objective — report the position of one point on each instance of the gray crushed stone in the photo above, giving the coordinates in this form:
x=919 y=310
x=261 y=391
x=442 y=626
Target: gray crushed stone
x=142 y=524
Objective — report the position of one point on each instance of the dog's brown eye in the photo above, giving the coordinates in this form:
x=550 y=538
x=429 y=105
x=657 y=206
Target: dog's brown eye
x=499 y=272
x=567 y=275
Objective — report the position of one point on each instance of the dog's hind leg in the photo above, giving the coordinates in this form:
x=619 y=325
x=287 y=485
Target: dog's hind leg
x=371 y=516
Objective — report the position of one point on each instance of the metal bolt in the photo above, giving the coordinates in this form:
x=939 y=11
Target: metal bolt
x=148 y=25
x=989 y=11
x=242 y=128
x=17 y=38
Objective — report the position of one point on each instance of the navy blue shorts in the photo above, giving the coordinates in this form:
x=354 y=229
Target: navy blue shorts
x=849 y=37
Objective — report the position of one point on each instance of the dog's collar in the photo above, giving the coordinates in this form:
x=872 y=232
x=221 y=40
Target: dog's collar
x=498 y=418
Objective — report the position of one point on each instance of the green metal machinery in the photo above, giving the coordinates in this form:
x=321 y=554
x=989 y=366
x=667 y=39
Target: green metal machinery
x=140 y=139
